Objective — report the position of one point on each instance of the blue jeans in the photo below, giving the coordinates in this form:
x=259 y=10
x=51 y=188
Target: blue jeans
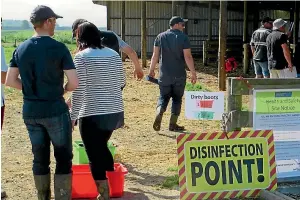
x=58 y=130
x=261 y=68
x=174 y=90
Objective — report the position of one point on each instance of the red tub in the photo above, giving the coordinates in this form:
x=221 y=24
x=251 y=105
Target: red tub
x=83 y=184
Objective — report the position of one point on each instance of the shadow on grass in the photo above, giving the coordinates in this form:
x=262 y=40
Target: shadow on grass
x=154 y=194
x=148 y=179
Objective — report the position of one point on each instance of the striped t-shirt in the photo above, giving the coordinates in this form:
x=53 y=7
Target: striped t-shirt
x=101 y=77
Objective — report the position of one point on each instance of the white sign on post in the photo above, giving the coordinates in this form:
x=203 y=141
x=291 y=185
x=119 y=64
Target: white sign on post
x=204 y=105
x=279 y=110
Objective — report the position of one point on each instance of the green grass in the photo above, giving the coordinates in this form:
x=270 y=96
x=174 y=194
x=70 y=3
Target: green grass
x=21 y=36
x=172 y=169
x=171 y=182
x=196 y=87
x=245 y=107
x=8 y=39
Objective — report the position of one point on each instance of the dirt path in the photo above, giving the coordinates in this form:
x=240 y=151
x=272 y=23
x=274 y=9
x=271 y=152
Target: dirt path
x=147 y=154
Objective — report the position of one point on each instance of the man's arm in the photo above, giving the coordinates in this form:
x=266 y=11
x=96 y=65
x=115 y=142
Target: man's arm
x=138 y=71
x=12 y=76
x=154 y=60
x=3 y=77
x=155 y=56
x=190 y=63
x=125 y=48
x=189 y=59
x=252 y=49
x=12 y=79
x=252 y=44
x=72 y=83
x=286 y=50
x=70 y=71
x=3 y=66
x=287 y=55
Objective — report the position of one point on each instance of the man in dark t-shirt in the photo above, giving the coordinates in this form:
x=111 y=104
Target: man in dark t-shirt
x=259 y=48
x=41 y=63
x=278 y=52
x=172 y=50
x=111 y=40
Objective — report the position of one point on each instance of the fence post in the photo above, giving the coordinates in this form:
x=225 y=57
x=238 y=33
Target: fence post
x=246 y=59
x=205 y=53
x=234 y=103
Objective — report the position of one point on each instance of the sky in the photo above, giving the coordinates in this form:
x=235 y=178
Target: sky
x=69 y=9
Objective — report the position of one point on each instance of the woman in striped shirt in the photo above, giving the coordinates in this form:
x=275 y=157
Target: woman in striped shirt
x=97 y=102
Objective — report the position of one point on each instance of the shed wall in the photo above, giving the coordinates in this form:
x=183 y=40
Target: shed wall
x=158 y=15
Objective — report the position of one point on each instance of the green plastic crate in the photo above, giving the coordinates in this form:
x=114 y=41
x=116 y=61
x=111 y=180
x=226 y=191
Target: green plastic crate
x=80 y=156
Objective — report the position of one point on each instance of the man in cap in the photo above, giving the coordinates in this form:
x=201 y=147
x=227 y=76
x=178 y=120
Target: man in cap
x=113 y=41
x=259 y=48
x=172 y=50
x=279 y=56
x=42 y=62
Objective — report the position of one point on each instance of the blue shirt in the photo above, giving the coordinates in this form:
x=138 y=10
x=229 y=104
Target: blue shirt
x=3 y=69
x=172 y=63
x=41 y=62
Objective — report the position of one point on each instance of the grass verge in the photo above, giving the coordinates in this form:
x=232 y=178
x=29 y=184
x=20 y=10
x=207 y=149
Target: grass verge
x=171 y=182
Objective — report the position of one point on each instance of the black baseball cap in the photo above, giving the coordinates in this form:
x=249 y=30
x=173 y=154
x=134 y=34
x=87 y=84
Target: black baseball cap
x=75 y=25
x=266 y=19
x=41 y=13
x=176 y=20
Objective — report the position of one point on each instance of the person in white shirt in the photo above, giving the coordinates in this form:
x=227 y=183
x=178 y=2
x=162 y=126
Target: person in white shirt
x=97 y=103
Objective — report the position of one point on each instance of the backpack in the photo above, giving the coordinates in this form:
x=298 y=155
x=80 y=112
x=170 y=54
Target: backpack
x=230 y=64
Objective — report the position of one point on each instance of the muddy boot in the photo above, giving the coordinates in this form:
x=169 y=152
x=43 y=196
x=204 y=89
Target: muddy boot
x=62 y=186
x=103 y=189
x=173 y=126
x=158 y=119
x=42 y=184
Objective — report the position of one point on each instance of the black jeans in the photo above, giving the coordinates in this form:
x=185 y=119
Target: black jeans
x=174 y=90
x=95 y=141
x=58 y=130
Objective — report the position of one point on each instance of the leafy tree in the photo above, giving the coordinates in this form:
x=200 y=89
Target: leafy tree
x=25 y=24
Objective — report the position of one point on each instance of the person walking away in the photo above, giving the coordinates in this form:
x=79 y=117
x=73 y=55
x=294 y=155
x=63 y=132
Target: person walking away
x=97 y=103
x=3 y=78
x=42 y=62
x=259 y=48
x=112 y=40
x=172 y=50
x=278 y=52
x=297 y=59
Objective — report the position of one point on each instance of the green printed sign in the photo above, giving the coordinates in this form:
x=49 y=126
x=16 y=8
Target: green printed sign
x=204 y=115
x=278 y=102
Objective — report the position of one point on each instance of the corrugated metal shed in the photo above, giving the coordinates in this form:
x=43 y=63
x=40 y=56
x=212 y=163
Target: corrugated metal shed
x=158 y=15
